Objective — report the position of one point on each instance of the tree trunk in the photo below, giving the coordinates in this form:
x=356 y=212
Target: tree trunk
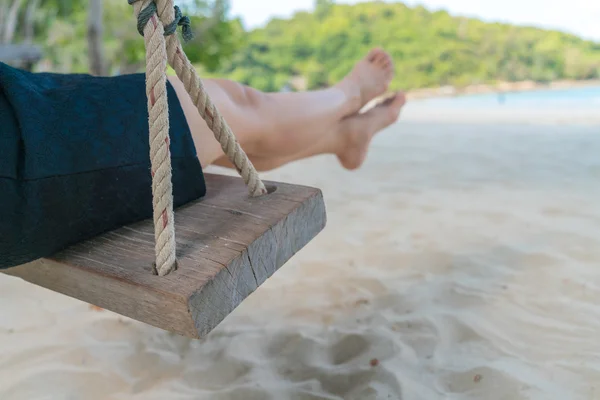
x=3 y=10
x=95 y=33
x=30 y=20
x=10 y=23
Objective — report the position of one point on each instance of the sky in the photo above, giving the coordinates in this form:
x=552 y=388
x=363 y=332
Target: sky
x=581 y=17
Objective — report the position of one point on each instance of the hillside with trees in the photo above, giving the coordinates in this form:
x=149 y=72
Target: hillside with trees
x=429 y=48
x=318 y=48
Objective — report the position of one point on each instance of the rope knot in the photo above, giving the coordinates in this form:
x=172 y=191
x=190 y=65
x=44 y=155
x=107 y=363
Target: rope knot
x=183 y=21
x=180 y=20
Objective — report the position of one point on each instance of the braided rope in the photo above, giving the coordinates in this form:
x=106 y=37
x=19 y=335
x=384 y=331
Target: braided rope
x=160 y=157
x=159 y=50
x=186 y=73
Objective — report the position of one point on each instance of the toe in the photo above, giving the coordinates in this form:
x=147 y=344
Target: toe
x=392 y=105
x=396 y=104
x=400 y=99
x=389 y=64
x=383 y=58
x=375 y=54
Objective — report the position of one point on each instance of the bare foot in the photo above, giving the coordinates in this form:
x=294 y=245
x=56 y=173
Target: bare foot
x=369 y=78
x=357 y=130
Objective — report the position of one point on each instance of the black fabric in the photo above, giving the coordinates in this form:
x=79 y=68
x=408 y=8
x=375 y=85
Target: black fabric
x=74 y=159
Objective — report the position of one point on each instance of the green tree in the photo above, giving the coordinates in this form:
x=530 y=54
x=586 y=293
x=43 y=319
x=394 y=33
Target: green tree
x=428 y=48
x=60 y=27
x=322 y=8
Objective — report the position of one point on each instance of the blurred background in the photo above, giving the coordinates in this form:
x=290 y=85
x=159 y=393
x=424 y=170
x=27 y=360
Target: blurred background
x=460 y=262
x=301 y=44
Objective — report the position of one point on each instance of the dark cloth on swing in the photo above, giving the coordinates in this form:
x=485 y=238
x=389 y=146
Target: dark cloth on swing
x=75 y=161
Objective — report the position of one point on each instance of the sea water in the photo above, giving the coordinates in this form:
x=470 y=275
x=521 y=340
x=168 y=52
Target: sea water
x=587 y=97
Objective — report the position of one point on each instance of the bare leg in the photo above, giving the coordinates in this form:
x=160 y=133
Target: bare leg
x=277 y=123
x=282 y=125
x=349 y=140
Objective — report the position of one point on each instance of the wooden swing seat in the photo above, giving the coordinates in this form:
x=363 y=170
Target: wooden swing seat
x=228 y=244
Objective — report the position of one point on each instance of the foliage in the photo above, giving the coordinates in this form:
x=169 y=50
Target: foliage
x=61 y=27
x=429 y=48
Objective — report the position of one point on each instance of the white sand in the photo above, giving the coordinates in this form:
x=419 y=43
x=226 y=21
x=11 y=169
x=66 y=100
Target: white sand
x=460 y=263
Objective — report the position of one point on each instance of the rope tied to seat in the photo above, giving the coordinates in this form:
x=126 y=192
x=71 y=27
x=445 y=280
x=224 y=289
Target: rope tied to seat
x=157 y=22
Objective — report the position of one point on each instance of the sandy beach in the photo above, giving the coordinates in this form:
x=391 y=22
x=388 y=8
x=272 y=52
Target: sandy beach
x=461 y=262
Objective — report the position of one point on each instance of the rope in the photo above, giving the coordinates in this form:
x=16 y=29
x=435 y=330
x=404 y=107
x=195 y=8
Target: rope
x=193 y=85
x=160 y=157
x=162 y=45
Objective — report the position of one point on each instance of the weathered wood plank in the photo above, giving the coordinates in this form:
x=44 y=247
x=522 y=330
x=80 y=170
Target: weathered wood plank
x=228 y=244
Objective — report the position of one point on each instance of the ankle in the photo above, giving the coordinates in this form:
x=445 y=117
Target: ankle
x=352 y=95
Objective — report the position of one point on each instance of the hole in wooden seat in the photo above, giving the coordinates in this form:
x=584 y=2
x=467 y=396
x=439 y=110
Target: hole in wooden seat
x=271 y=188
